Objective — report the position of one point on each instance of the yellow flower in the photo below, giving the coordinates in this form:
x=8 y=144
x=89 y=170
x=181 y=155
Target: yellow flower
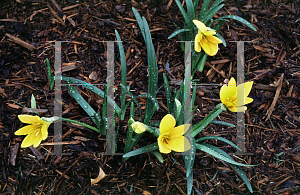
x=171 y=137
x=138 y=127
x=235 y=97
x=206 y=39
x=36 y=131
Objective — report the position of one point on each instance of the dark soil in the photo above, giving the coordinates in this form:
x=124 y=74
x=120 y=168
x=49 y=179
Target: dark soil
x=271 y=61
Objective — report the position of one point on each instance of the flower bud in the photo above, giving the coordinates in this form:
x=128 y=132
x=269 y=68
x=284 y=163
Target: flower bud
x=130 y=121
x=138 y=127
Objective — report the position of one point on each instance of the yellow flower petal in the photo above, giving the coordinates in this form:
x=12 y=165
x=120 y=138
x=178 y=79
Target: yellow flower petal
x=28 y=140
x=231 y=89
x=223 y=94
x=214 y=39
x=29 y=119
x=209 y=33
x=179 y=131
x=200 y=25
x=248 y=100
x=166 y=124
x=25 y=130
x=37 y=140
x=161 y=145
x=44 y=131
x=205 y=45
x=213 y=48
x=197 y=43
x=246 y=87
x=178 y=144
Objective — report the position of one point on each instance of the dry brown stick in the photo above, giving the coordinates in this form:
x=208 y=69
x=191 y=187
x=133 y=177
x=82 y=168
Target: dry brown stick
x=215 y=69
x=269 y=112
x=55 y=15
x=169 y=4
x=56 y=5
x=20 y=42
x=8 y=20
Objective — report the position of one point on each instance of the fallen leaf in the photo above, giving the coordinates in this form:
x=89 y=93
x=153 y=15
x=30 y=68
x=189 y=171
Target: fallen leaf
x=146 y=193
x=100 y=176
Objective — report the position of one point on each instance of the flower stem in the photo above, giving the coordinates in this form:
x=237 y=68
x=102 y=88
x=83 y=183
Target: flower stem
x=80 y=123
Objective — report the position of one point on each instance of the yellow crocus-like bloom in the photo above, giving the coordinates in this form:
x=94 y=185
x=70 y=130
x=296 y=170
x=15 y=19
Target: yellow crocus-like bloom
x=171 y=137
x=36 y=131
x=235 y=97
x=206 y=39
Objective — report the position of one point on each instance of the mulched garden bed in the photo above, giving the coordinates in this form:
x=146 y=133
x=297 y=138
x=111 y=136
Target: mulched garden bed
x=272 y=120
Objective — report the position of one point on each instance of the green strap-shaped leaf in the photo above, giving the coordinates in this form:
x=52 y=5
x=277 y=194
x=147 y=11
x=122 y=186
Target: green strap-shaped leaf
x=129 y=131
x=195 y=8
x=211 y=116
x=201 y=64
x=93 y=89
x=50 y=77
x=215 y=151
x=204 y=9
x=190 y=9
x=33 y=102
x=193 y=97
x=133 y=97
x=84 y=105
x=178 y=32
x=215 y=4
x=218 y=138
x=104 y=113
x=240 y=19
x=152 y=72
x=155 y=123
x=219 y=25
x=196 y=56
x=184 y=14
x=239 y=170
x=178 y=108
x=189 y=183
x=168 y=92
x=139 y=21
x=189 y=159
x=148 y=148
x=235 y=166
x=222 y=123
x=158 y=156
x=153 y=130
x=151 y=98
x=132 y=111
x=211 y=13
x=123 y=75
x=134 y=141
x=189 y=156
x=222 y=39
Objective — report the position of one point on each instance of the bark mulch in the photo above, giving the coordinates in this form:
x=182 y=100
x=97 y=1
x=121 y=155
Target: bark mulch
x=27 y=28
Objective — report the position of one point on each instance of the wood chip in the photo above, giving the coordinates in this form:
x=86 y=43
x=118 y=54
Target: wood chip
x=13 y=153
x=20 y=42
x=269 y=112
x=36 y=153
